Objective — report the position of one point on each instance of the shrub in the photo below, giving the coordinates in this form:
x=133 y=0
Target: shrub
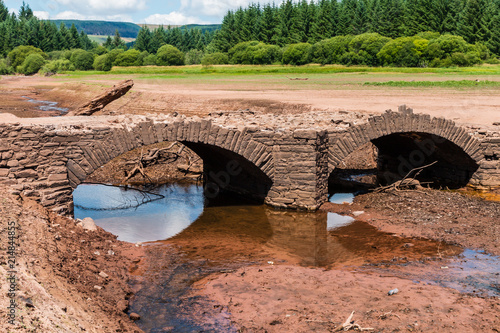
x=103 y=63
x=55 y=55
x=254 y=53
x=99 y=50
x=17 y=56
x=149 y=60
x=193 y=57
x=445 y=45
x=492 y=61
x=82 y=60
x=113 y=54
x=329 y=51
x=403 y=51
x=5 y=68
x=297 y=54
x=169 y=55
x=366 y=46
x=32 y=64
x=217 y=58
x=128 y=58
x=57 y=66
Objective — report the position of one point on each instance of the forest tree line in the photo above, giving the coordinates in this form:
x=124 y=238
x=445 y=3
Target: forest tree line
x=350 y=32
x=311 y=22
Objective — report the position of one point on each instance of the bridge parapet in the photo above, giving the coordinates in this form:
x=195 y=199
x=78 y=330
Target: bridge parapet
x=287 y=164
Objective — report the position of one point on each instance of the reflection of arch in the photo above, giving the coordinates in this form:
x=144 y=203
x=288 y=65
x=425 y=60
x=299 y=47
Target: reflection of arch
x=406 y=140
x=202 y=136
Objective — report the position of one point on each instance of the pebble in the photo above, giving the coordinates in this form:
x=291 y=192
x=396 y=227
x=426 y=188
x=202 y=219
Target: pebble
x=134 y=316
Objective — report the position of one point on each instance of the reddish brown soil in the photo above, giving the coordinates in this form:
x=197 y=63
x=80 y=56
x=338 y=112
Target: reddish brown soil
x=59 y=288
x=298 y=299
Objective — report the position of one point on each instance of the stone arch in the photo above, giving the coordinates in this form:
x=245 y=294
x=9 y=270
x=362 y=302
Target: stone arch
x=397 y=124
x=116 y=141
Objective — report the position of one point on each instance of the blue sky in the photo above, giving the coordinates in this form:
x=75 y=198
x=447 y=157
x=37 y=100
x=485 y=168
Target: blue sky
x=138 y=11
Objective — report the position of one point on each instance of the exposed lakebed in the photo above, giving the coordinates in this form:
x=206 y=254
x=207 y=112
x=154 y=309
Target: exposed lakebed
x=187 y=242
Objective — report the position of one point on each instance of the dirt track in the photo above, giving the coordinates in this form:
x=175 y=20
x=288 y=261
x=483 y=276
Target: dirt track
x=475 y=106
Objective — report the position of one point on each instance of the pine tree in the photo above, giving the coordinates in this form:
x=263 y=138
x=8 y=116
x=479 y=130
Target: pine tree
x=4 y=12
x=143 y=40
x=322 y=27
x=471 y=24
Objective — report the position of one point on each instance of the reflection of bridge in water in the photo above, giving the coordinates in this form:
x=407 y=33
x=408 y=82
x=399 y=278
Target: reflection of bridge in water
x=258 y=233
x=284 y=161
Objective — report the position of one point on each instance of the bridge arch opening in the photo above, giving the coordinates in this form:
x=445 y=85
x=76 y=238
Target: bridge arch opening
x=227 y=177
x=399 y=153
x=227 y=174
x=389 y=158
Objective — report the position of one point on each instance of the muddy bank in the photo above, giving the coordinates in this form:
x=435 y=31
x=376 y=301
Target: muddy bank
x=68 y=279
x=299 y=299
x=440 y=215
x=284 y=298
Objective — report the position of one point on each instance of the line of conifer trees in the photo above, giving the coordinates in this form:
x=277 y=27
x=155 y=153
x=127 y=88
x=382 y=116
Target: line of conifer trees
x=303 y=21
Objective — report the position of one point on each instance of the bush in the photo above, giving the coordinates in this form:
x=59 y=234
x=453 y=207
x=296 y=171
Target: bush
x=366 y=46
x=297 y=54
x=17 y=56
x=445 y=45
x=149 y=60
x=193 y=57
x=403 y=51
x=5 y=68
x=55 y=55
x=113 y=54
x=169 y=55
x=254 y=53
x=32 y=64
x=492 y=61
x=82 y=60
x=57 y=66
x=330 y=51
x=128 y=58
x=99 y=50
x=103 y=63
x=217 y=58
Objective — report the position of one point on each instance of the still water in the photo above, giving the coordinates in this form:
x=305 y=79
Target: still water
x=187 y=241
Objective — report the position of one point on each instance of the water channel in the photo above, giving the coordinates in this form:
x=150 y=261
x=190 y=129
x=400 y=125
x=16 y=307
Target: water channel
x=187 y=241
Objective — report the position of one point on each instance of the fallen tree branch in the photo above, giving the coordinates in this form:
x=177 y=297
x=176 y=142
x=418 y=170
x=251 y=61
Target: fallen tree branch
x=406 y=182
x=99 y=102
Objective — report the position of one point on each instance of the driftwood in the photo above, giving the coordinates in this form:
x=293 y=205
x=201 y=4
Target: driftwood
x=350 y=325
x=298 y=78
x=98 y=103
x=407 y=181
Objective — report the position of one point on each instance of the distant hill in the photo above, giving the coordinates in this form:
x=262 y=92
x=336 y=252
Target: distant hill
x=103 y=28
x=126 y=30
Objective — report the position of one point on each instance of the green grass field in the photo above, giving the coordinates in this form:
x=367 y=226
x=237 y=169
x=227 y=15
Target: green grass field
x=313 y=77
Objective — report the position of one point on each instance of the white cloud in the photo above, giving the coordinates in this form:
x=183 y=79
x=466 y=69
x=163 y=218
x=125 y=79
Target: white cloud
x=69 y=15
x=173 y=18
x=99 y=7
x=216 y=8
x=42 y=15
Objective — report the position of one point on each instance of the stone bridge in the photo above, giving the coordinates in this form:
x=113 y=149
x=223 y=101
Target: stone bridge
x=284 y=161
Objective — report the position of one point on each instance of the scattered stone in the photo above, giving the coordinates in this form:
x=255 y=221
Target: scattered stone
x=134 y=316
x=393 y=292
x=98 y=287
x=89 y=224
x=103 y=275
x=358 y=213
